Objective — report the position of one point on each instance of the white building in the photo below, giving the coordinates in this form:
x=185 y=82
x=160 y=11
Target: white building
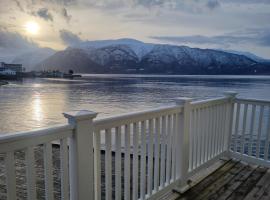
x=13 y=67
x=8 y=72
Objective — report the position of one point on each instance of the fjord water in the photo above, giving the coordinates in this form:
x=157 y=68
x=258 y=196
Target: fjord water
x=36 y=103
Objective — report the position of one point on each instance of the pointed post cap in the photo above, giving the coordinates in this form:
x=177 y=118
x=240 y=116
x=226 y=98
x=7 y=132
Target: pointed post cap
x=80 y=115
x=182 y=100
x=230 y=94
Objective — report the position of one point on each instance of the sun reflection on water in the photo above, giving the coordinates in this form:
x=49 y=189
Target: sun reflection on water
x=37 y=108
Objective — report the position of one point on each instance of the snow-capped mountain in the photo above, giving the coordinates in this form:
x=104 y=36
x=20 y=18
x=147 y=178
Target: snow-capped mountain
x=132 y=56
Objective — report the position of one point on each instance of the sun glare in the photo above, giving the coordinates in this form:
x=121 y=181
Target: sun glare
x=32 y=27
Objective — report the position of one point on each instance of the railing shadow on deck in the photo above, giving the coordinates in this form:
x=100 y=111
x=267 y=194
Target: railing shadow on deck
x=140 y=155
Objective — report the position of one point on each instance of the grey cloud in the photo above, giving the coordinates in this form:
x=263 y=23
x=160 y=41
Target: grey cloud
x=44 y=14
x=11 y=40
x=199 y=39
x=60 y=2
x=150 y=3
x=212 y=4
x=18 y=4
x=193 y=6
x=69 y=38
x=65 y=14
x=252 y=36
x=265 y=40
x=247 y=1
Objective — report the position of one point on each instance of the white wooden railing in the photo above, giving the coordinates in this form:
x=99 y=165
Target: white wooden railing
x=251 y=131
x=25 y=146
x=139 y=155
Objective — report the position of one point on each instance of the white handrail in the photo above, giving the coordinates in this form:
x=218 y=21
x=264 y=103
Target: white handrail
x=209 y=102
x=108 y=122
x=36 y=133
x=253 y=101
x=22 y=140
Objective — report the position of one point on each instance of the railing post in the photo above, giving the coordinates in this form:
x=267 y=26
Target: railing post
x=183 y=139
x=81 y=158
x=229 y=117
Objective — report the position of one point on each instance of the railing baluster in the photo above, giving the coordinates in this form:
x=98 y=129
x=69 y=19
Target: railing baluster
x=157 y=151
x=244 y=129
x=163 y=149
x=237 y=116
x=150 y=158
x=30 y=173
x=191 y=137
x=11 y=178
x=266 y=146
x=143 y=161
x=118 y=162
x=127 y=162
x=221 y=140
x=48 y=171
x=208 y=133
x=173 y=147
x=64 y=169
x=196 y=138
x=203 y=118
x=220 y=129
x=224 y=133
x=212 y=153
x=168 y=156
x=252 y=122
x=216 y=122
x=108 y=164
x=258 y=144
x=97 y=166
x=200 y=131
x=135 y=161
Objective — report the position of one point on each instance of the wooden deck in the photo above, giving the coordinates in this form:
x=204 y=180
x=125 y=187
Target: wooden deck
x=233 y=180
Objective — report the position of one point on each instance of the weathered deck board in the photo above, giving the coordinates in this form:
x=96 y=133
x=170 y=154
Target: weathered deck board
x=234 y=180
x=195 y=191
x=258 y=191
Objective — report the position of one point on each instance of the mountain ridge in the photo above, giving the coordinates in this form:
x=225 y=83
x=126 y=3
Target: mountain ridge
x=133 y=56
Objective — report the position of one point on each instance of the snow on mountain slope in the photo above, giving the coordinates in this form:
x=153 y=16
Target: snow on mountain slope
x=113 y=55
x=183 y=55
x=138 y=47
x=248 y=54
x=132 y=56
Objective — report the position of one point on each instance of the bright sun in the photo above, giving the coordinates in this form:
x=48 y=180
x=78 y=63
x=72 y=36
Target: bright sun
x=32 y=27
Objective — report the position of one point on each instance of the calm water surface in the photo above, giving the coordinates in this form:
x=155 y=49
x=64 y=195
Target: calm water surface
x=36 y=103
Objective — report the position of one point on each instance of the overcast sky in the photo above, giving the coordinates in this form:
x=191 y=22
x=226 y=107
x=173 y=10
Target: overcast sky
x=221 y=24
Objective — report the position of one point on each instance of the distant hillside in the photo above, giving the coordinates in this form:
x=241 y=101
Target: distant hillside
x=132 y=56
x=76 y=59
x=249 y=55
x=30 y=59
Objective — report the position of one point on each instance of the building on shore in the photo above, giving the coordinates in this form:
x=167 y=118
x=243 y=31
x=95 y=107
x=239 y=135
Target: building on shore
x=14 y=67
x=8 y=71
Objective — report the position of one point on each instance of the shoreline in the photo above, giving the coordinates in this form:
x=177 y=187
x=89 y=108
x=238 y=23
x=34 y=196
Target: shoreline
x=3 y=82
